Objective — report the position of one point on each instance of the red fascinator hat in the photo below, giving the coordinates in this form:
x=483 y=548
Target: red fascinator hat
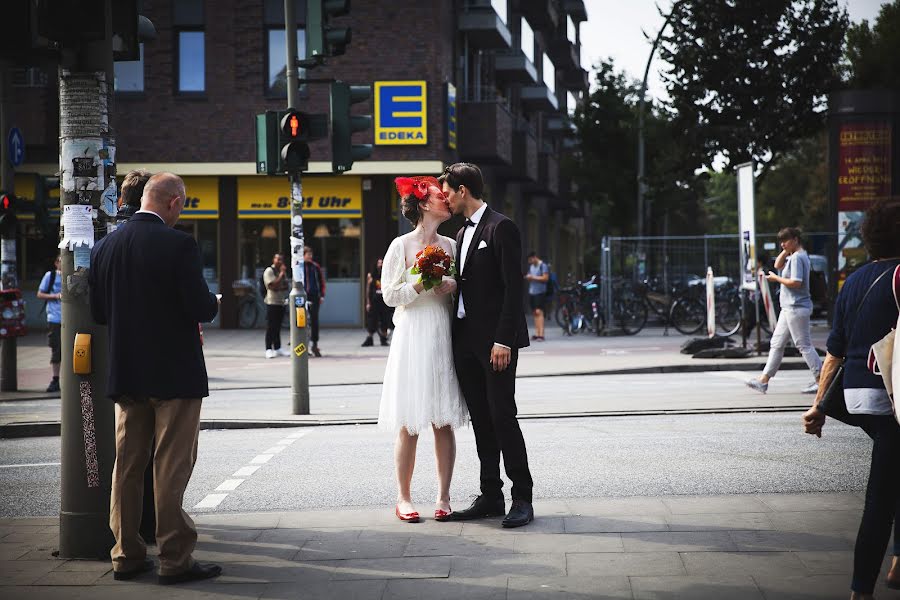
x=415 y=186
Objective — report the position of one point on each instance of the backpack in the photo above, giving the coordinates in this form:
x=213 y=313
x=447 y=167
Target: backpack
x=552 y=284
x=49 y=289
x=263 y=289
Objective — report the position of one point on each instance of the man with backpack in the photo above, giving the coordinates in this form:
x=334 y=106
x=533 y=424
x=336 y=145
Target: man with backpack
x=538 y=278
x=50 y=290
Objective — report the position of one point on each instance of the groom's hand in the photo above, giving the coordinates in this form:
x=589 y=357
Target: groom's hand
x=500 y=357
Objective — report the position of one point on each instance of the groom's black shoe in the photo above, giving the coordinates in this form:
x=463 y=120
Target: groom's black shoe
x=481 y=508
x=520 y=513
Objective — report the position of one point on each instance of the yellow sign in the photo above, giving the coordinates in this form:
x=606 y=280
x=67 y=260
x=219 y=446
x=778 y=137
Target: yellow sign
x=26 y=193
x=323 y=197
x=202 y=201
x=401 y=113
x=300 y=349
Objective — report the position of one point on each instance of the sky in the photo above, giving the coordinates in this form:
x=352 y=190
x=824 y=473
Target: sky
x=614 y=28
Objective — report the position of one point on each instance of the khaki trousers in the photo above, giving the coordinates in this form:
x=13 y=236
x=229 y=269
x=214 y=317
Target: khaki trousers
x=176 y=426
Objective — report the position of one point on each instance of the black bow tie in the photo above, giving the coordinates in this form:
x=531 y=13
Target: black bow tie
x=470 y=223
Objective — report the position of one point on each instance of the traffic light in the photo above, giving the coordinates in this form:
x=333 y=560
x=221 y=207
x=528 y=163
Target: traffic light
x=321 y=40
x=344 y=125
x=8 y=218
x=295 y=130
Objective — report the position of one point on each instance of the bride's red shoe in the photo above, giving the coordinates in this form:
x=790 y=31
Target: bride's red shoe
x=441 y=514
x=412 y=517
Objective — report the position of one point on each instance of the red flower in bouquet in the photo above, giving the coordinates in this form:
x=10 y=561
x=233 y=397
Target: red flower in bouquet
x=432 y=264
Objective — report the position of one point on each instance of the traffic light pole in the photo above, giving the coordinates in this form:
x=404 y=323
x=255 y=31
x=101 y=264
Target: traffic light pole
x=87 y=178
x=9 y=381
x=299 y=331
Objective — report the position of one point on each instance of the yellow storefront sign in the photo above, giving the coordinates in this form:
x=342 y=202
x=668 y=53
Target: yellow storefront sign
x=323 y=197
x=401 y=113
x=202 y=198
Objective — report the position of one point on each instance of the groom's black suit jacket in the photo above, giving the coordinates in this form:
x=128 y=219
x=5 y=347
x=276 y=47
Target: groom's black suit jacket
x=491 y=283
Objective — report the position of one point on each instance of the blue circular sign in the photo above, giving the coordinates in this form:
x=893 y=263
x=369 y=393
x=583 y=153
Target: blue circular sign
x=15 y=147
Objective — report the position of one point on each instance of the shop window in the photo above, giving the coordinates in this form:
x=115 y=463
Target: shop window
x=129 y=75
x=276 y=58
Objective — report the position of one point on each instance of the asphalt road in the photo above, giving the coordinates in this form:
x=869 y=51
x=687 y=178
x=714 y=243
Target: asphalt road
x=320 y=467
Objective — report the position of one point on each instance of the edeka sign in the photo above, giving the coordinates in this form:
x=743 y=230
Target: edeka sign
x=202 y=198
x=323 y=197
x=401 y=113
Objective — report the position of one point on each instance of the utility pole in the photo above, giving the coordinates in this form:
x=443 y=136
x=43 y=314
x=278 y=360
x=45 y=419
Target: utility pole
x=8 y=346
x=87 y=194
x=297 y=298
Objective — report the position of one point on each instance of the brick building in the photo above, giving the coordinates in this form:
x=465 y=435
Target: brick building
x=486 y=81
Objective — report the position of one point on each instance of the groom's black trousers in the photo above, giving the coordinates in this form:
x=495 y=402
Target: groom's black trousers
x=491 y=398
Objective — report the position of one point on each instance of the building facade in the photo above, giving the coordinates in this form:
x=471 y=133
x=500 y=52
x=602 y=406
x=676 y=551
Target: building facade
x=485 y=81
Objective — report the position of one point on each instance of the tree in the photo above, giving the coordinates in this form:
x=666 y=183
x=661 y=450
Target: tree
x=748 y=79
x=873 y=55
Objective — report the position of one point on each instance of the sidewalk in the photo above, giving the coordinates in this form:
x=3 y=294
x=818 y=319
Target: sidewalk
x=772 y=546
x=234 y=359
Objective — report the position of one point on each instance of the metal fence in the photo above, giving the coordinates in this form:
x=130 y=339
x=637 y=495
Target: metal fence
x=669 y=260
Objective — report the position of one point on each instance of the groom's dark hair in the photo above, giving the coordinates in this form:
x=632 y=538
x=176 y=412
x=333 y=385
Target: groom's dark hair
x=466 y=174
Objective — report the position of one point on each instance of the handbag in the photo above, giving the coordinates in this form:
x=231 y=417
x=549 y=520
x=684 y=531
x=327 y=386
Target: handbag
x=832 y=402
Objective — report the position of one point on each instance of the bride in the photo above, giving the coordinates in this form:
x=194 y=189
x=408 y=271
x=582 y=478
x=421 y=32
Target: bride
x=420 y=386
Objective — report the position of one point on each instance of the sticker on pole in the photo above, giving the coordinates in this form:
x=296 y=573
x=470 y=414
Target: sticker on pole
x=299 y=349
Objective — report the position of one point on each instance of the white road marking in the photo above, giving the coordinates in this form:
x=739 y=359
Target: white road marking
x=261 y=459
x=297 y=434
x=229 y=485
x=274 y=450
x=211 y=501
x=56 y=464
x=285 y=442
x=245 y=472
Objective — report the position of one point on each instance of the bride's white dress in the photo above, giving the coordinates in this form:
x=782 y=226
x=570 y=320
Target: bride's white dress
x=420 y=386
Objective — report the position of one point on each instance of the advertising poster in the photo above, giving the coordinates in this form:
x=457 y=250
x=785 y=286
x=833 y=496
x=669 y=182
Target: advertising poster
x=747 y=225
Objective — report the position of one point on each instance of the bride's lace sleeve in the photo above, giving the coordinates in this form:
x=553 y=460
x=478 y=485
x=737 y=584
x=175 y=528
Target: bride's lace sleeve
x=396 y=291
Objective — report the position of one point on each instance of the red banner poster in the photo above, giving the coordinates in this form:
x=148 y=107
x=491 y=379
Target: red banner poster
x=864 y=169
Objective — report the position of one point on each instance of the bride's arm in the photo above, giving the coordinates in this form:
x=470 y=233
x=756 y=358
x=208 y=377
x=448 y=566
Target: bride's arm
x=395 y=290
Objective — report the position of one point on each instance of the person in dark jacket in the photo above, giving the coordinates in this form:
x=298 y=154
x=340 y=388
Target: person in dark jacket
x=865 y=311
x=314 y=281
x=147 y=286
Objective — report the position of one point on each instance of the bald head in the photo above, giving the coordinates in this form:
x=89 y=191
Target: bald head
x=164 y=194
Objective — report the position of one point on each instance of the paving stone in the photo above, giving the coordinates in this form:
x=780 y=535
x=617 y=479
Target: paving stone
x=623 y=524
x=93 y=566
x=13 y=551
x=30 y=521
x=776 y=564
x=832 y=562
x=811 y=521
x=461 y=546
x=556 y=507
x=352 y=518
x=720 y=522
x=24 y=572
x=272 y=571
x=815 y=587
x=813 y=502
x=537 y=565
x=624 y=564
x=686 y=505
x=568 y=543
x=609 y=507
x=389 y=568
x=678 y=541
x=371 y=547
x=327 y=590
x=243 y=551
x=695 y=587
x=296 y=538
x=527 y=588
x=787 y=541
x=238 y=521
x=425 y=528
x=228 y=534
x=493 y=526
x=69 y=578
x=481 y=588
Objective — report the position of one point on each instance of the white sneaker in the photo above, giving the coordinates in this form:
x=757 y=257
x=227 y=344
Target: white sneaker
x=811 y=388
x=757 y=385
x=271 y=353
x=282 y=352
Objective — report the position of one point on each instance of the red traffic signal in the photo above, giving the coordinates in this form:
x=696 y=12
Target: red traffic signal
x=6 y=202
x=293 y=126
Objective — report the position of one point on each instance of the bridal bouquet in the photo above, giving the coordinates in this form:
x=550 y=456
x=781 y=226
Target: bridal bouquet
x=432 y=264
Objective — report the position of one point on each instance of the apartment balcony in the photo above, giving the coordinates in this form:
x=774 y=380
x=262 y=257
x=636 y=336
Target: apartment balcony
x=538 y=98
x=485 y=128
x=574 y=77
x=482 y=26
x=543 y=15
x=524 y=165
x=512 y=66
x=548 y=171
x=575 y=9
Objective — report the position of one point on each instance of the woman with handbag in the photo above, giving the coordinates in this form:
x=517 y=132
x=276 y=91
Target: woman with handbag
x=865 y=311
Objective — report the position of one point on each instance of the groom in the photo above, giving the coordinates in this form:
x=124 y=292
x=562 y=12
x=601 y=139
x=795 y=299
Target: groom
x=488 y=330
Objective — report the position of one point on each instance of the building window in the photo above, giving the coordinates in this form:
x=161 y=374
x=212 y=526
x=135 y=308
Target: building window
x=526 y=38
x=549 y=74
x=129 y=75
x=191 y=61
x=570 y=29
x=571 y=103
x=500 y=8
x=276 y=82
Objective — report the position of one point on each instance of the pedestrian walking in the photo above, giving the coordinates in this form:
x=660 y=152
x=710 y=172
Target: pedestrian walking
x=314 y=282
x=50 y=291
x=796 y=308
x=378 y=314
x=538 y=277
x=865 y=311
x=277 y=289
x=147 y=287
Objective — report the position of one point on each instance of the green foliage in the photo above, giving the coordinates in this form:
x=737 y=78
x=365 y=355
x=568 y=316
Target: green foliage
x=748 y=79
x=873 y=54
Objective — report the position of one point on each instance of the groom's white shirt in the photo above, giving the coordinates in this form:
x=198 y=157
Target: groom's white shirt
x=468 y=234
